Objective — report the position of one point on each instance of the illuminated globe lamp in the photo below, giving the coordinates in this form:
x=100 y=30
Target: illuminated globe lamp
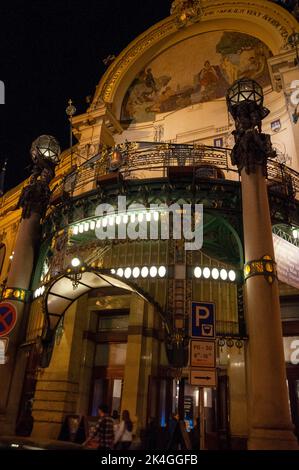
x=45 y=153
x=45 y=147
x=246 y=93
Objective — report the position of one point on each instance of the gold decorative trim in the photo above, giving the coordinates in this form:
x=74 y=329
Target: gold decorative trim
x=264 y=266
x=15 y=293
x=137 y=49
x=278 y=19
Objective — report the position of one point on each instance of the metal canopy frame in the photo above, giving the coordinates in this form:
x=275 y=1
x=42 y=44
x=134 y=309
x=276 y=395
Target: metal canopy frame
x=60 y=294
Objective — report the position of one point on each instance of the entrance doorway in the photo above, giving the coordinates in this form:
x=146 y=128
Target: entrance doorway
x=206 y=409
x=107 y=388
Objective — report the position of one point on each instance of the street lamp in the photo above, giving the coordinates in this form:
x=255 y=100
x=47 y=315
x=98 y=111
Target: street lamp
x=45 y=147
x=75 y=271
x=45 y=153
x=270 y=424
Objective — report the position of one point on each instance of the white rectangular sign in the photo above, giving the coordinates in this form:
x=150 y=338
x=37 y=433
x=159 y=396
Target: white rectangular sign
x=202 y=353
x=203 y=377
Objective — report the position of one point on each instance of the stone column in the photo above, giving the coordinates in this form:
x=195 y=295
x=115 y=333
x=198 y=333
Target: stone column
x=34 y=200
x=57 y=388
x=141 y=359
x=12 y=373
x=270 y=424
x=133 y=357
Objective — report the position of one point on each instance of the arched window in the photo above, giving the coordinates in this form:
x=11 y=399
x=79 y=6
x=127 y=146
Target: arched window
x=2 y=256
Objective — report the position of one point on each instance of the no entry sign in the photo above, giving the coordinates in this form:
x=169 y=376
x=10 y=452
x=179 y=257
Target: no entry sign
x=8 y=318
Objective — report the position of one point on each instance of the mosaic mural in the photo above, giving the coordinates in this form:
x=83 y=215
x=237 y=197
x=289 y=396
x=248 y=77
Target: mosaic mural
x=196 y=70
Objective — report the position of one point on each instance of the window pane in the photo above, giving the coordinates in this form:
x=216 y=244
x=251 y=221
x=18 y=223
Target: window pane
x=114 y=323
x=111 y=354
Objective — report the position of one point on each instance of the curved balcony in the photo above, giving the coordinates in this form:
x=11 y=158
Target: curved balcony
x=148 y=161
x=145 y=171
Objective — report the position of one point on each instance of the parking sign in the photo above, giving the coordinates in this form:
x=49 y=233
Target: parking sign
x=202 y=320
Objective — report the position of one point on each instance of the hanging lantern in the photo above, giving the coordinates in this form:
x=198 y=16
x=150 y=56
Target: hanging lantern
x=75 y=272
x=116 y=159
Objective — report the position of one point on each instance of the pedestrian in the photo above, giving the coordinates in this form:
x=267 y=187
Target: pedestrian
x=115 y=417
x=124 y=436
x=104 y=432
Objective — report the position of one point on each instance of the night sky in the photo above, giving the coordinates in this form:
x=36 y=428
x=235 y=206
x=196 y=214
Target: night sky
x=51 y=50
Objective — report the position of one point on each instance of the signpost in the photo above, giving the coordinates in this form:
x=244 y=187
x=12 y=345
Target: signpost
x=8 y=318
x=203 y=346
x=202 y=320
x=203 y=353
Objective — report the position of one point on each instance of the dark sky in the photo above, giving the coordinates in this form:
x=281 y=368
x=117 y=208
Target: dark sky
x=51 y=50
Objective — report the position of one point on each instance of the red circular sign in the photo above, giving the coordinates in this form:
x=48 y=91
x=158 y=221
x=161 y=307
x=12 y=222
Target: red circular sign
x=8 y=318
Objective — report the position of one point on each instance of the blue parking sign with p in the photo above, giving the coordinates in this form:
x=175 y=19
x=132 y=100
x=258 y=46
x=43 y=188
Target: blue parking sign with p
x=202 y=320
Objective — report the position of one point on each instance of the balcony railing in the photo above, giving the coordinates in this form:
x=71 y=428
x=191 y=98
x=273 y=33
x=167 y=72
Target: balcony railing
x=146 y=160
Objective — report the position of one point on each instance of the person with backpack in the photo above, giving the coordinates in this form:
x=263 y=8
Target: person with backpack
x=123 y=437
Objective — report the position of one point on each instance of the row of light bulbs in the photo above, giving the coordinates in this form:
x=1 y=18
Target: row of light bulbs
x=143 y=272
x=115 y=220
x=214 y=273
x=154 y=271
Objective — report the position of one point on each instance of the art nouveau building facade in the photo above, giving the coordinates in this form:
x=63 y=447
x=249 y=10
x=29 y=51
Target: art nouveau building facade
x=158 y=132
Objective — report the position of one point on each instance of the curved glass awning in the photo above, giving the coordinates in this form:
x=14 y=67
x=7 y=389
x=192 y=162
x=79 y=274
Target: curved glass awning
x=61 y=293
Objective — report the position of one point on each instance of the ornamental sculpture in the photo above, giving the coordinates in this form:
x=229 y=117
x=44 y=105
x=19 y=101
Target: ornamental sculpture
x=252 y=147
x=187 y=11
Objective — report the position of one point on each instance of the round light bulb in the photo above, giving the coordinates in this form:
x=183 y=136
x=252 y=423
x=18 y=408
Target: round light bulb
x=223 y=274
x=215 y=273
x=128 y=272
x=144 y=271
x=206 y=273
x=136 y=272
x=162 y=271
x=120 y=272
x=75 y=262
x=153 y=271
x=197 y=272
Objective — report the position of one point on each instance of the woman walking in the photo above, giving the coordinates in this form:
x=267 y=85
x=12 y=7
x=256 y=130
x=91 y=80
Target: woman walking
x=123 y=436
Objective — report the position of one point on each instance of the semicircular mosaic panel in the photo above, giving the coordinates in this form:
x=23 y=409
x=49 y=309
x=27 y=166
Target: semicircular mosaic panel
x=196 y=70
